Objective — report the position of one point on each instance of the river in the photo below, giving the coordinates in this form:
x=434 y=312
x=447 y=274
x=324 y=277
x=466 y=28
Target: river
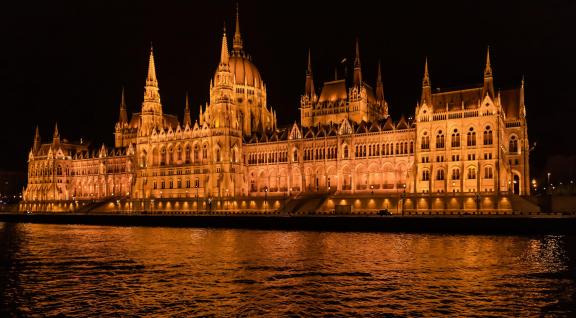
x=88 y=271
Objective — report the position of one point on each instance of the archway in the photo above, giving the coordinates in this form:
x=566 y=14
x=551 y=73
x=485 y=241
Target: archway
x=516 y=184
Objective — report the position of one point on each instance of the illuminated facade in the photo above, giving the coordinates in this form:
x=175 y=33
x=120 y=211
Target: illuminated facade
x=460 y=141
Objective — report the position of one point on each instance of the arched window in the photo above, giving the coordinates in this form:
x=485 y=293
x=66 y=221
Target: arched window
x=440 y=174
x=471 y=173
x=456 y=174
x=411 y=147
x=488 y=173
x=163 y=184
x=218 y=155
x=233 y=155
x=205 y=152
x=440 y=140
x=196 y=153
x=179 y=184
x=163 y=156
x=179 y=153
x=345 y=151
x=455 y=139
x=425 y=175
x=488 y=136
x=295 y=155
x=170 y=156
x=59 y=170
x=425 y=144
x=513 y=146
x=171 y=184
x=471 y=138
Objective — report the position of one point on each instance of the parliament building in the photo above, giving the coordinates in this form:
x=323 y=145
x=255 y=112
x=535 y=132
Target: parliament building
x=470 y=144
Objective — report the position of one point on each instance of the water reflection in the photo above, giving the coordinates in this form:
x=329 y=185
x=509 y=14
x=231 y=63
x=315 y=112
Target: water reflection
x=123 y=271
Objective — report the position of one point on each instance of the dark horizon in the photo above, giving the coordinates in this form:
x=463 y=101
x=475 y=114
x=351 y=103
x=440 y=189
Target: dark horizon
x=67 y=63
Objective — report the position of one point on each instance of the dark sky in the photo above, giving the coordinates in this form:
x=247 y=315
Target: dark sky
x=66 y=61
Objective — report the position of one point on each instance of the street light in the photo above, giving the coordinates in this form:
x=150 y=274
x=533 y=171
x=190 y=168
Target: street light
x=548 y=178
x=265 y=199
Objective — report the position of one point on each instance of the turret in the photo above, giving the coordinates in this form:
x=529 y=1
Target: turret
x=488 y=88
x=309 y=88
x=37 y=141
x=56 y=136
x=187 y=121
x=151 y=107
x=237 y=43
x=379 y=86
x=426 y=88
x=357 y=66
x=123 y=118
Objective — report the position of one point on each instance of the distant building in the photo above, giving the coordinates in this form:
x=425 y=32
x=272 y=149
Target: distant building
x=458 y=141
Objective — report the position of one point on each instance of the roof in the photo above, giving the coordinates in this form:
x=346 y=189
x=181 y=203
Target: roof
x=333 y=91
x=454 y=100
x=244 y=71
x=512 y=102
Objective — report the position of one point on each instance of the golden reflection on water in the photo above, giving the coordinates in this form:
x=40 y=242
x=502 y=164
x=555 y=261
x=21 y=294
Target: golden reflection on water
x=93 y=270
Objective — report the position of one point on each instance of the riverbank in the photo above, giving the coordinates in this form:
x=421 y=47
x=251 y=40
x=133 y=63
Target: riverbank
x=472 y=224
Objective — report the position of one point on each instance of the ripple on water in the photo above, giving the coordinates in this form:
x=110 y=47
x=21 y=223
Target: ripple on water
x=51 y=270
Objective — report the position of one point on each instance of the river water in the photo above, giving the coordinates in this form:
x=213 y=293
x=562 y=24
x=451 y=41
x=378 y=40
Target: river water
x=90 y=271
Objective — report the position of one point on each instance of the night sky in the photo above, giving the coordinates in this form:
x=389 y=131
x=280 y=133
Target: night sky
x=67 y=61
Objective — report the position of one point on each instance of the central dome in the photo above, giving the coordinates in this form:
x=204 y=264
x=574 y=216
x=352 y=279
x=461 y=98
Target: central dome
x=244 y=71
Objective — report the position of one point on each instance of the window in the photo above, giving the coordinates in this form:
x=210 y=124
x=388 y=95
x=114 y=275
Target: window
x=171 y=184
x=187 y=183
x=488 y=136
x=488 y=173
x=440 y=174
x=455 y=139
x=155 y=185
x=196 y=153
x=163 y=156
x=205 y=152
x=345 y=151
x=471 y=173
x=187 y=154
x=425 y=175
x=425 y=144
x=471 y=138
x=513 y=145
x=179 y=153
x=455 y=157
x=163 y=185
x=295 y=155
x=440 y=140
x=456 y=174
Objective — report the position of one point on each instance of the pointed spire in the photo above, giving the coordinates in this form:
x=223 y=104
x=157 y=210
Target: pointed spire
x=522 y=92
x=426 y=78
x=357 y=66
x=488 y=88
x=379 y=85
x=151 y=93
x=187 y=120
x=488 y=68
x=426 y=88
x=309 y=89
x=237 y=44
x=123 y=118
x=36 y=139
x=56 y=136
x=151 y=78
x=224 y=56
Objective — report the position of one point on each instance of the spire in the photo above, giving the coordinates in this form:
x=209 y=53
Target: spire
x=357 y=66
x=36 y=139
x=237 y=44
x=187 y=120
x=426 y=88
x=224 y=52
x=488 y=88
x=309 y=89
x=151 y=93
x=379 y=85
x=151 y=78
x=123 y=118
x=56 y=136
x=488 y=68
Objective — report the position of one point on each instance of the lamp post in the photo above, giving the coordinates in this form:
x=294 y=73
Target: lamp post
x=265 y=199
x=548 y=179
x=403 y=197
x=197 y=207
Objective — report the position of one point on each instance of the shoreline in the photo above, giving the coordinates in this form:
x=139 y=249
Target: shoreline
x=446 y=224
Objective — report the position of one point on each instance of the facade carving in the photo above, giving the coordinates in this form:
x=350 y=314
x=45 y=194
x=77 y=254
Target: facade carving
x=458 y=141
